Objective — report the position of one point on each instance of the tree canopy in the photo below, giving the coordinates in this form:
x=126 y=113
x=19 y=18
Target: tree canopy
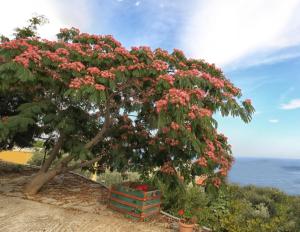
x=129 y=109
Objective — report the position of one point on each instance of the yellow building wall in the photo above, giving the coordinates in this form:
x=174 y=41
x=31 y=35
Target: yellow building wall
x=19 y=157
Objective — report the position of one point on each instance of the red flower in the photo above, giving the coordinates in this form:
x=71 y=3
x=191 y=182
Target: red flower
x=142 y=187
x=180 y=212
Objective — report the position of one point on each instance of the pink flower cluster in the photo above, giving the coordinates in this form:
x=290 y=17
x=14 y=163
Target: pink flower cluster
x=162 y=53
x=93 y=71
x=159 y=65
x=107 y=74
x=202 y=162
x=184 y=73
x=210 y=150
x=235 y=91
x=178 y=96
x=216 y=182
x=22 y=60
x=15 y=44
x=54 y=57
x=210 y=146
x=227 y=95
x=196 y=111
x=74 y=66
x=225 y=166
x=122 y=51
x=30 y=54
x=168 y=78
x=216 y=82
x=76 y=47
x=62 y=51
x=174 y=96
x=88 y=80
x=175 y=126
x=121 y=68
x=138 y=66
x=76 y=83
x=179 y=52
x=88 y=36
x=201 y=180
x=161 y=105
x=109 y=55
x=145 y=49
x=200 y=94
x=99 y=87
x=182 y=65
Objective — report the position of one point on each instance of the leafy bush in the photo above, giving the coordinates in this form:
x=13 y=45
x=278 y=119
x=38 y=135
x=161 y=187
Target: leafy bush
x=173 y=191
x=235 y=208
x=113 y=177
x=36 y=158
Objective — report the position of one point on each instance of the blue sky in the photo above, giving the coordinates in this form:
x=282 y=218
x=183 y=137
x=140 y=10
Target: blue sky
x=256 y=43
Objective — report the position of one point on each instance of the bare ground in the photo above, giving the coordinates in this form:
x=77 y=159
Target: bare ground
x=67 y=203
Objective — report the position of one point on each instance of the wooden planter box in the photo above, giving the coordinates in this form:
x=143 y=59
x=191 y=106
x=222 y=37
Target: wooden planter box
x=135 y=203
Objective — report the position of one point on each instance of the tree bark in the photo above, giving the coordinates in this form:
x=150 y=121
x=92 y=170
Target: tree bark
x=39 y=180
x=52 y=155
x=83 y=164
x=99 y=136
x=44 y=175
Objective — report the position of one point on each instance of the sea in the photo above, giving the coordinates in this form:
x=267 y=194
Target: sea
x=283 y=174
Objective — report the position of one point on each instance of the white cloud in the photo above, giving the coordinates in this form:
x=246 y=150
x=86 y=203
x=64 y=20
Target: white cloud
x=137 y=3
x=227 y=32
x=60 y=14
x=293 y=104
x=274 y=121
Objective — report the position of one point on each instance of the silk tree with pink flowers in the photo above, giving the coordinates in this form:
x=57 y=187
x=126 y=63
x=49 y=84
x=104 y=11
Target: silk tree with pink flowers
x=94 y=101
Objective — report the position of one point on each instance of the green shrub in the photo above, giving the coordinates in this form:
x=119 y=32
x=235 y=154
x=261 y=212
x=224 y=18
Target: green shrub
x=36 y=158
x=234 y=208
x=173 y=191
x=110 y=178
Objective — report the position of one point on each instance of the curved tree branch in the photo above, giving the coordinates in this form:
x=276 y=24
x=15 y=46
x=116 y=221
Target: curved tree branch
x=53 y=153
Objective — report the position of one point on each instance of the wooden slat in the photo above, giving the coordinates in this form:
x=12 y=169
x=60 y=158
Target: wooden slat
x=126 y=203
x=135 y=197
x=150 y=213
x=151 y=206
x=134 y=205
x=124 y=211
x=141 y=217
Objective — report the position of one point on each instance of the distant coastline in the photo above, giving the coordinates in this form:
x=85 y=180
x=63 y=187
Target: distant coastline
x=281 y=173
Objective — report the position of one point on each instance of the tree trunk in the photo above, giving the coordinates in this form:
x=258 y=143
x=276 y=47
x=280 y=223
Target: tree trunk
x=39 y=180
x=53 y=153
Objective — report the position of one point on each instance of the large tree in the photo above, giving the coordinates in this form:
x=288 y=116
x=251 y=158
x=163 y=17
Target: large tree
x=136 y=109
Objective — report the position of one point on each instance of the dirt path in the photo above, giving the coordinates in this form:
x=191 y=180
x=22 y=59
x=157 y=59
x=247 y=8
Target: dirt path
x=68 y=203
x=25 y=215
